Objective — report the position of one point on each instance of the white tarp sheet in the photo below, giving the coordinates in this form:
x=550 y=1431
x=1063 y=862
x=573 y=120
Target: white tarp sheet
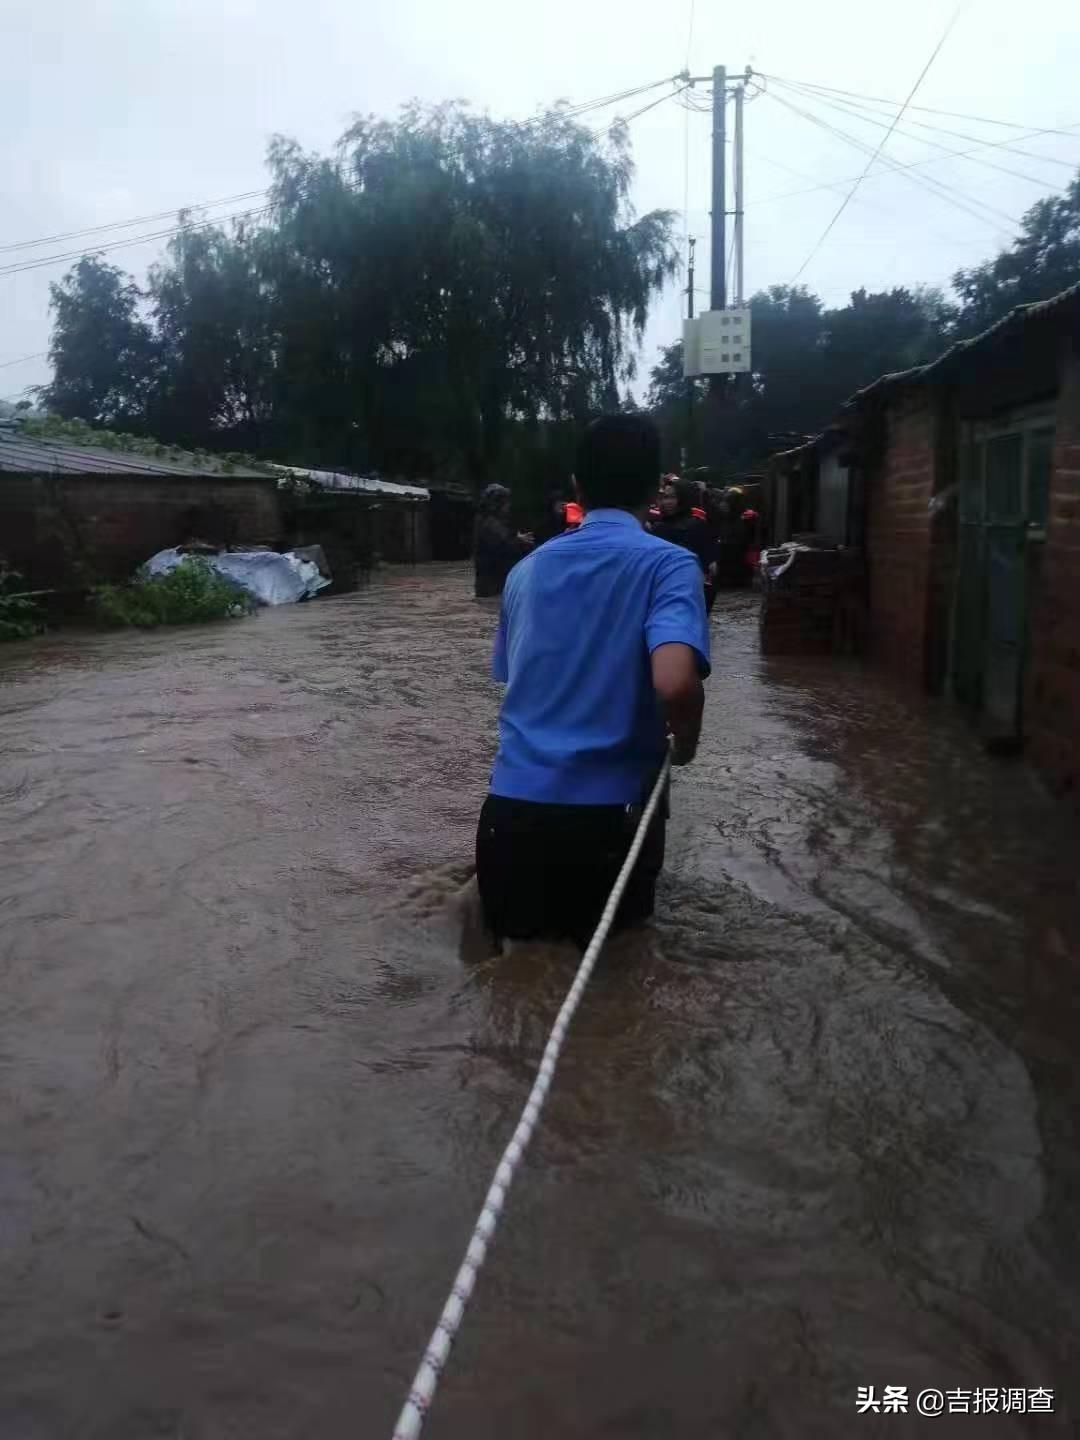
x=270 y=578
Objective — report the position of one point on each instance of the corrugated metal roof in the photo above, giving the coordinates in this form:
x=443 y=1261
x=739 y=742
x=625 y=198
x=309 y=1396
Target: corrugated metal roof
x=19 y=453
x=343 y=480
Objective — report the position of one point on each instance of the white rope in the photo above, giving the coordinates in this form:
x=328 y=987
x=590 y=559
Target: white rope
x=411 y=1420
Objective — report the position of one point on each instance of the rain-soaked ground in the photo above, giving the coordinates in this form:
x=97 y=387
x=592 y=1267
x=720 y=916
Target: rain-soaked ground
x=816 y=1131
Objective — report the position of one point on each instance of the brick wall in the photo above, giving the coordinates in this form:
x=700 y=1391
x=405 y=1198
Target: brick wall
x=1052 y=700
x=66 y=531
x=898 y=538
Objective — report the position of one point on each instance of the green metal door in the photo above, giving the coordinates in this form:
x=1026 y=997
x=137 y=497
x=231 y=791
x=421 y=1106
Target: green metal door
x=1004 y=486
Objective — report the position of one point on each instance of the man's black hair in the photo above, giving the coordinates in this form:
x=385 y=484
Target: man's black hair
x=618 y=462
x=686 y=495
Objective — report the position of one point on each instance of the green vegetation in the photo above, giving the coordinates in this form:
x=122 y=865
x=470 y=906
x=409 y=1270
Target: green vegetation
x=449 y=296
x=439 y=283
x=20 y=617
x=77 y=432
x=192 y=593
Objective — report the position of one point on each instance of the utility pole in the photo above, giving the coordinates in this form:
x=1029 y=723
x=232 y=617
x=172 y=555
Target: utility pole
x=718 y=286
x=716 y=395
x=740 y=94
x=687 y=447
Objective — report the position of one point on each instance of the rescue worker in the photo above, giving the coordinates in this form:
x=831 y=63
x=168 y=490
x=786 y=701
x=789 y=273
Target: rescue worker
x=497 y=548
x=588 y=702
x=752 y=521
x=679 y=525
x=698 y=510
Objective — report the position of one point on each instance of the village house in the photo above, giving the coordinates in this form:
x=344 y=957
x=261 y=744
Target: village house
x=75 y=513
x=959 y=484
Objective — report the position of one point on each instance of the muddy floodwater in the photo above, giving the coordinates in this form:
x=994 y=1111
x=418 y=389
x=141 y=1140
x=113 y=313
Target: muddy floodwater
x=816 y=1130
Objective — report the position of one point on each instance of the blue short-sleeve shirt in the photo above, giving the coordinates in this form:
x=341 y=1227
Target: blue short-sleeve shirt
x=580 y=723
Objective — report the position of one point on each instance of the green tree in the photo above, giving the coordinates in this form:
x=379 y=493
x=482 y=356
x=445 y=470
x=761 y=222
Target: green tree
x=1042 y=260
x=429 y=299
x=216 y=340
x=668 y=400
x=877 y=333
x=103 y=353
x=497 y=269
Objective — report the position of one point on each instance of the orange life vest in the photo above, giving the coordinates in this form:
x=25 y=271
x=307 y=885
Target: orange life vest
x=574 y=513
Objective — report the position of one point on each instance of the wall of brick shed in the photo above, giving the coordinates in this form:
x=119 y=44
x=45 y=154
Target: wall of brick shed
x=67 y=531
x=1052 y=698
x=899 y=538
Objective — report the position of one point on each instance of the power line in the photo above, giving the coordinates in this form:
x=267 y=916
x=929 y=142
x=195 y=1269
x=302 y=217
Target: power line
x=625 y=119
x=22 y=359
x=883 y=142
x=911 y=165
x=841 y=185
x=867 y=117
x=928 y=183
x=44 y=261
x=1008 y=145
x=569 y=112
x=923 y=109
x=844 y=108
x=125 y=224
x=939 y=189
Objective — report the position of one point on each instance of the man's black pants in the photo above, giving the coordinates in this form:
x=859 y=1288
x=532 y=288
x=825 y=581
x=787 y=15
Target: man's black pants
x=546 y=871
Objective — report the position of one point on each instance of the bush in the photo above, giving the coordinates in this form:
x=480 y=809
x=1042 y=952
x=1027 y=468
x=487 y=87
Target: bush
x=191 y=593
x=19 y=616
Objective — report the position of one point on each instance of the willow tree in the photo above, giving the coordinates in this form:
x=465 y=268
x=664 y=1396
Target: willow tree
x=437 y=279
x=449 y=274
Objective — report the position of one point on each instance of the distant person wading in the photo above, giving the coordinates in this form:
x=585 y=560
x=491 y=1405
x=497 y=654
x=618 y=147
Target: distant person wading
x=497 y=547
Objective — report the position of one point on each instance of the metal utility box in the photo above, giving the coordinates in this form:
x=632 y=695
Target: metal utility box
x=717 y=342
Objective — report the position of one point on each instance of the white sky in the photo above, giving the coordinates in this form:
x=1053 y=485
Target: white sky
x=125 y=107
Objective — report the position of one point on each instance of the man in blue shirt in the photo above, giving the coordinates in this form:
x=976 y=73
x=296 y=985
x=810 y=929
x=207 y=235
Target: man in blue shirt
x=602 y=643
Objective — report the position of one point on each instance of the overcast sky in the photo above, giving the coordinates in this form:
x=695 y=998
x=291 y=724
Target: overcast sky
x=122 y=108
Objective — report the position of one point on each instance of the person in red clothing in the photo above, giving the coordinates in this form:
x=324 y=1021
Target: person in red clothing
x=752 y=521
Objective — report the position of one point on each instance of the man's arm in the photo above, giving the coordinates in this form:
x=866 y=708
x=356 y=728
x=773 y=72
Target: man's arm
x=677 y=637
x=677 y=682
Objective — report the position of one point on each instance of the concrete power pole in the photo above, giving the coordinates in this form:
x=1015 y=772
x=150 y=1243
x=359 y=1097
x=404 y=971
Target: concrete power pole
x=713 y=416
x=718 y=278
x=723 y=387
x=740 y=95
x=689 y=443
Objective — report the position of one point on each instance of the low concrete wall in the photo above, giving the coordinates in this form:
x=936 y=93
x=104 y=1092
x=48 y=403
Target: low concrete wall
x=67 y=531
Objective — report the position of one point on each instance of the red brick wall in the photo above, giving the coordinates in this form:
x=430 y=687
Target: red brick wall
x=898 y=538
x=66 y=531
x=1052 y=701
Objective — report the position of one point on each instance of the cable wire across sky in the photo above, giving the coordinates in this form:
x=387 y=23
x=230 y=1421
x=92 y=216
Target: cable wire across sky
x=882 y=143
x=16 y=267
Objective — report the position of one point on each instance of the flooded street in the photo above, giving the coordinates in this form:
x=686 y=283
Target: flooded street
x=816 y=1131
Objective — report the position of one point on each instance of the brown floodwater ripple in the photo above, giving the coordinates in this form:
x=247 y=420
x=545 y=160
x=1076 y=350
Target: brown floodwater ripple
x=815 y=1130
